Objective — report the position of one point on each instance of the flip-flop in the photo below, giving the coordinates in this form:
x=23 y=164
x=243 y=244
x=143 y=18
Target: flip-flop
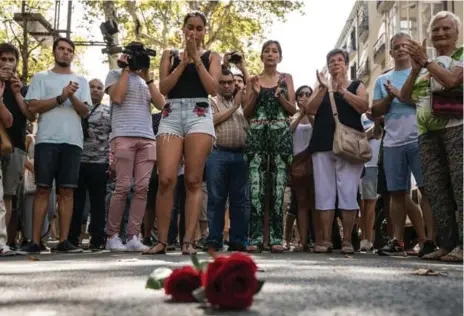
x=454 y=256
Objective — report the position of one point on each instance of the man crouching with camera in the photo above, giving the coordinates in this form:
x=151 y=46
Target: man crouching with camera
x=131 y=91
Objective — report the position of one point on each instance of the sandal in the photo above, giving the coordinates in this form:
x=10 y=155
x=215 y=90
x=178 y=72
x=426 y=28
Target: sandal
x=454 y=256
x=253 y=249
x=436 y=255
x=277 y=249
x=301 y=248
x=158 y=252
x=323 y=247
x=186 y=250
x=347 y=248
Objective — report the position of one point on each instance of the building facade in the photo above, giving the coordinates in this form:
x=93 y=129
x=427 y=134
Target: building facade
x=371 y=24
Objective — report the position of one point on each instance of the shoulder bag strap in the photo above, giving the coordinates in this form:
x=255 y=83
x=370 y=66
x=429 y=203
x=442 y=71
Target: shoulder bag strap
x=332 y=101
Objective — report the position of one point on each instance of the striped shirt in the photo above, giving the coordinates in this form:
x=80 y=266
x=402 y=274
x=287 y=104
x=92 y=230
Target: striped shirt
x=232 y=132
x=131 y=118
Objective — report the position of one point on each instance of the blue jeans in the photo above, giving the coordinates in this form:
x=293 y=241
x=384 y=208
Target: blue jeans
x=226 y=176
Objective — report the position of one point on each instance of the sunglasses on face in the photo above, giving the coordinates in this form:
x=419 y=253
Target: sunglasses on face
x=229 y=82
x=304 y=94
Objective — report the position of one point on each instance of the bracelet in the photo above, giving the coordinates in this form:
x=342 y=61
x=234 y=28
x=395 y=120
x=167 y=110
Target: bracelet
x=198 y=63
x=149 y=82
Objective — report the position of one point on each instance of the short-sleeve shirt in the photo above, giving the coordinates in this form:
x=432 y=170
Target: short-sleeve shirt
x=232 y=132
x=324 y=122
x=62 y=124
x=421 y=95
x=400 y=120
x=96 y=146
x=131 y=118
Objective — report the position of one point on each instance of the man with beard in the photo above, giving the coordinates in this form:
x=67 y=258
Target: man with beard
x=226 y=169
x=13 y=163
x=62 y=99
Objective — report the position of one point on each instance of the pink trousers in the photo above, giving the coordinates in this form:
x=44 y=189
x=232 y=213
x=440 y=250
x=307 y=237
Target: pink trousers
x=133 y=158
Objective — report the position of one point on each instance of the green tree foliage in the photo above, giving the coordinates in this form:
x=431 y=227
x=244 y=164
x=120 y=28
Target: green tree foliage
x=231 y=25
x=39 y=55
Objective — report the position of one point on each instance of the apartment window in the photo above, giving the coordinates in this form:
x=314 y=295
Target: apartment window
x=429 y=9
x=353 y=72
x=408 y=18
x=353 y=39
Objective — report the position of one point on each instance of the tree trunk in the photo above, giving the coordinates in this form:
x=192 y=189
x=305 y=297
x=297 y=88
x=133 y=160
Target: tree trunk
x=25 y=46
x=140 y=29
x=110 y=14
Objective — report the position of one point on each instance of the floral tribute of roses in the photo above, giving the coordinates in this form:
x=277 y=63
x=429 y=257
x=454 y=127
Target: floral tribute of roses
x=228 y=282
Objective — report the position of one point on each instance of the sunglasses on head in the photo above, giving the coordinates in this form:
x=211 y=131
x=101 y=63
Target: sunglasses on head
x=304 y=94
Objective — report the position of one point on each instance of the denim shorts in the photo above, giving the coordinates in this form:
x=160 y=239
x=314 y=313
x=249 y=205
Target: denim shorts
x=181 y=117
x=60 y=162
x=398 y=164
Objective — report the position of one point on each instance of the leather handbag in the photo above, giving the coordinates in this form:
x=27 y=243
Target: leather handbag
x=446 y=103
x=5 y=143
x=349 y=143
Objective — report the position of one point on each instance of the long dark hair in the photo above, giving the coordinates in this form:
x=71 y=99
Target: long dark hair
x=194 y=14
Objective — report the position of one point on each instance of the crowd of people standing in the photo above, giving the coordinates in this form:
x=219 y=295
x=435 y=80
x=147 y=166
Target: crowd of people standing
x=225 y=147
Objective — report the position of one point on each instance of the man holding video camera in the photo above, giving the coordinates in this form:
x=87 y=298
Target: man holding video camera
x=238 y=60
x=62 y=98
x=132 y=140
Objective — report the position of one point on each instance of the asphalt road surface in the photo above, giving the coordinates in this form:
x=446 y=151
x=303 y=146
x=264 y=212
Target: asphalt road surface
x=296 y=284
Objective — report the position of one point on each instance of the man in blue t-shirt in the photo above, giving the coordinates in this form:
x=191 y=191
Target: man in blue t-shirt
x=62 y=98
x=401 y=151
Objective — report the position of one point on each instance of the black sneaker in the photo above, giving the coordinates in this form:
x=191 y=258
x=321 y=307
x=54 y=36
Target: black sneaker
x=29 y=249
x=66 y=247
x=96 y=247
x=428 y=247
x=393 y=248
x=233 y=246
x=13 y=246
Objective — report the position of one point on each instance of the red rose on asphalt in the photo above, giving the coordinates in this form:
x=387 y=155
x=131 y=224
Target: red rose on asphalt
x=181 y=283
x=230 y=282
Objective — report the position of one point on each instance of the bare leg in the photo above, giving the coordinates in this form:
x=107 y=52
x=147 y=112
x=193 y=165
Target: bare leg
x=349 y=217
x=398 y=202
x=197 y=147
x=42 y=196
x=327 y=218
x=168 y=154
x=415 y=216
x=368 y=218
x=66 y=209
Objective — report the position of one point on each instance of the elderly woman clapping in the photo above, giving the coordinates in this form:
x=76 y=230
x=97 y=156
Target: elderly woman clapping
x=435 y=86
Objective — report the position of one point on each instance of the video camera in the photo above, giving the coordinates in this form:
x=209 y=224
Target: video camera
x=138 y=56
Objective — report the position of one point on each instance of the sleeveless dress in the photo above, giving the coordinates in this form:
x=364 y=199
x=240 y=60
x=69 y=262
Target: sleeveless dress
x=269 y=142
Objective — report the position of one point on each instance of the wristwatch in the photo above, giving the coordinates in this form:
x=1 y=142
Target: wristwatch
x=149 y=81
x=427 y=63
x=59 y=100
x=198 y=63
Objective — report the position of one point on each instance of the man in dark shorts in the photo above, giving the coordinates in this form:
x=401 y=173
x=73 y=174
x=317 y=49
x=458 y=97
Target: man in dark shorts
x=62 y=99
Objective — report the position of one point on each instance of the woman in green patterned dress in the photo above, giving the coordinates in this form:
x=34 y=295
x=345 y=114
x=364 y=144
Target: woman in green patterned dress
x=440 y=138
x=270 y=100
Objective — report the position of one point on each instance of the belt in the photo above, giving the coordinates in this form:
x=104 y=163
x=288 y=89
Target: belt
x=232 y=150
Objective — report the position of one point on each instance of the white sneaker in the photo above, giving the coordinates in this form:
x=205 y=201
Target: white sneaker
x=363 y=244
x=115 y=244
x=136 y=245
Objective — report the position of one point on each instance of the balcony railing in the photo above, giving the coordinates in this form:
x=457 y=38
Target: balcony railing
x=363 y=28
x=379 y=49
x=363 y=71
x=383 y=6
